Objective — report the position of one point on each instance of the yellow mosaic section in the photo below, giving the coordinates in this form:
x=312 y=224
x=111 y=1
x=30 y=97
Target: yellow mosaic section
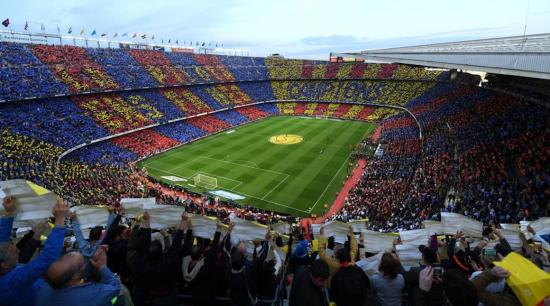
x=286 y=139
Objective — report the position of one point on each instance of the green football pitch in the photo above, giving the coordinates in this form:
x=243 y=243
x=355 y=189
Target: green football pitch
x=296 y=179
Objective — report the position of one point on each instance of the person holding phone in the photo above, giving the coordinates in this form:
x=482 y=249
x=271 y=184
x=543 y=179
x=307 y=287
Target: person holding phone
x=417 y=294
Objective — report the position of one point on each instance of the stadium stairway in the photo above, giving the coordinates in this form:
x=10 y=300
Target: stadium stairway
x=342 y=195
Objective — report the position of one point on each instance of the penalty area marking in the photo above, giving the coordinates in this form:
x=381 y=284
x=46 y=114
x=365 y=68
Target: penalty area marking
x=246 y=161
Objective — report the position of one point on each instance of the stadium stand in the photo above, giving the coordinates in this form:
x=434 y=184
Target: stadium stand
x=483 y=154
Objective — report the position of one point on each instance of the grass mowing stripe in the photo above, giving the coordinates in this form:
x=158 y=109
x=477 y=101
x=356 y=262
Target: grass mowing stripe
x=306 y=172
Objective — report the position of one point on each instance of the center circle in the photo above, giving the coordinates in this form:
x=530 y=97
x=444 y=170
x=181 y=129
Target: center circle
x=286 y=139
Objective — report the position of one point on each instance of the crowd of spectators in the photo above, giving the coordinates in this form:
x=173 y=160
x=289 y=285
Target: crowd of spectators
x=22 y=75
x=485 y=147
x=130 y=260
x=73 y=66
x=30 y=71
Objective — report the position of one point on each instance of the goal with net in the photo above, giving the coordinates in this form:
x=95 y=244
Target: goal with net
x=205 y=181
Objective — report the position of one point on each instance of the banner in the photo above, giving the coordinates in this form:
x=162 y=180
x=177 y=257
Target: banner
x=377 y=242
x=245 y=230
x=415 y=237
x=163 y=216
x=370 y=264
x=512 y=236
x=453 y=223
x=90 y=215
x=509 y=226
x=32 y=201
x=16 y=188
x=337 y=229
x=409 y=255
x=358 y=225
x=541 y=226
x=205 y=227
x=433 y=227
x=135 y=206
x=281 y=227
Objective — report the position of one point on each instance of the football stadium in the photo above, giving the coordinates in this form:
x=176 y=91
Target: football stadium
x=143 y=171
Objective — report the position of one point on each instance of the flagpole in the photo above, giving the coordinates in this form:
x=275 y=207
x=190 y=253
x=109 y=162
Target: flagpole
x=59 y=33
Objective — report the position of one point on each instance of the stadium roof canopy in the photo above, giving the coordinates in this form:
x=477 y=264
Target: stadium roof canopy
x=526 y=56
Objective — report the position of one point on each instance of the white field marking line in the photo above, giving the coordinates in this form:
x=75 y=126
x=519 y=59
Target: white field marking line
x=263 y=198
x=228 y=162
x=345 y=161
x=271 y=202
x=166 y=171
x=246 y=161
x=329 y=183
x=205 y=173
x=210 y=174
x=218 y=176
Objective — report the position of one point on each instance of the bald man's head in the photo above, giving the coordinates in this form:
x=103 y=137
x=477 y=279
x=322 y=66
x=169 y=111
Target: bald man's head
x=66 y=270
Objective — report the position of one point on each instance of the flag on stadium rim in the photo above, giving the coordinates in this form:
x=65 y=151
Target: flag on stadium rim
x=134 y=36
x=94 y=32
x=6 y=22
x=58 y=30
x=26 y=25
x=153 y=37
x=82 y=31
x=177 y=42
x=70 y=30
x=125 y=34
x=103 y=34
x=169 y=40
x=143 y=36
x=116 y=34
x=42 y=27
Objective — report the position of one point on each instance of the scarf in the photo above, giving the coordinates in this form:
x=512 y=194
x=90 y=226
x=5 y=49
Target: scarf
x=189 y=276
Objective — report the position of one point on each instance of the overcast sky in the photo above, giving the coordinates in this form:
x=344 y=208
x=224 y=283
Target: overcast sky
x=299 y=29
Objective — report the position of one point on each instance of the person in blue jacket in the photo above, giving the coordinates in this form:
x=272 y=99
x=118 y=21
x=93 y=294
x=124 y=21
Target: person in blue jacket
x=17 y=281
x=66 y=284
x=88 y=247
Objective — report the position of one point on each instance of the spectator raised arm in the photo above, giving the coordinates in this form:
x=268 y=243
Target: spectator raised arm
x=16 y=282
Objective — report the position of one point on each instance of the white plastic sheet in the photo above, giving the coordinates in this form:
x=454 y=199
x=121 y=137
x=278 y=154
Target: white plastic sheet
x=370 y=264
x=375 y=242
x=415 y=237
x=453 y=223
x=509 y=226
x=90 y=216
x=204 y=227
x=409 y=255
x=541 y=226
x=337 y=229
x=30 y=205
x=281 y=227
x=35 y=207
x=165 y=215
x=358 y=225
x=245 y=230
x=17 y=188
x=433 y=227
x=512 y=236
x=135 y=206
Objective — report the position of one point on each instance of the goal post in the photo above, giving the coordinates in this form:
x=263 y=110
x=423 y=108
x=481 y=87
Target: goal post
x=205 y=181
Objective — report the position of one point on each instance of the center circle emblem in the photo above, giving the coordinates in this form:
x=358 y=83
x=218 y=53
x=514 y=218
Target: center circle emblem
x=286 y=139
